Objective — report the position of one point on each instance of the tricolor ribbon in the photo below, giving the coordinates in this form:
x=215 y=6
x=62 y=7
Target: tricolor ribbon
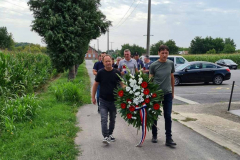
x=143 y=115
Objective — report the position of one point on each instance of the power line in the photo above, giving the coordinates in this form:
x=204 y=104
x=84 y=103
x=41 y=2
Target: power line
x=14 y=4
x=125 y=13
x=14 y=10
x=129 y=14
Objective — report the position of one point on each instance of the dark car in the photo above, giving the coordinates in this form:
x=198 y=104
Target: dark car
x=228 y=63
x=199 y=71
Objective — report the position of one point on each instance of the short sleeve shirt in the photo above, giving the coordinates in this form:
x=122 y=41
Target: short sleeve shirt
x=147 y=65
x=98 y=65
x=108 y=81
x=140 y=64
x=161 y=72
x=131 y=64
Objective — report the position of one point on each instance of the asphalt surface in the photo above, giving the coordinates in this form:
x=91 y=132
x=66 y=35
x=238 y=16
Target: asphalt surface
x=190 y=144
x=202 y=93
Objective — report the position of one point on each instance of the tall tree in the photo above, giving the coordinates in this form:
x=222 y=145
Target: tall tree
x=67 y=26
x=218 y=44
x=133 y=48
x=6 y=39
x=173 y=49
x=154 y=47
x=197 y=45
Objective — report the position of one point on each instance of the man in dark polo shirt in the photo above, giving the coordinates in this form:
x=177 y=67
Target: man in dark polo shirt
x=139 y=61
x=97 y=66
x=109 y=80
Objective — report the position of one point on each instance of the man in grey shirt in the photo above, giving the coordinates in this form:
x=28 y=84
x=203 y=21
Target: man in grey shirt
x=162 y=73
x=129 y=62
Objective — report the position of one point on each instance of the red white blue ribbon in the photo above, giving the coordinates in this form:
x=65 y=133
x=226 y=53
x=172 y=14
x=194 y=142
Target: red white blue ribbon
x=143 y=115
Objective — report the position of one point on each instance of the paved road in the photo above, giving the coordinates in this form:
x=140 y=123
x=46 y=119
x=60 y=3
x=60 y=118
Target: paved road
x=210 y=93
x=191 y=145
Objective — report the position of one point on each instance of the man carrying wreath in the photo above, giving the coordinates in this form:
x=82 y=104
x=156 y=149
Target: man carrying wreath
x=162 y=73
x=108 y=79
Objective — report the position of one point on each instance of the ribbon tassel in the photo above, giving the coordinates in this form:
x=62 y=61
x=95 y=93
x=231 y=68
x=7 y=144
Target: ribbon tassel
x=143 y=115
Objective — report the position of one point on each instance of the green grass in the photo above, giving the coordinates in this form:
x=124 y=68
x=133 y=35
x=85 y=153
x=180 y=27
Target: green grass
x=51 y=133
x=189 y=119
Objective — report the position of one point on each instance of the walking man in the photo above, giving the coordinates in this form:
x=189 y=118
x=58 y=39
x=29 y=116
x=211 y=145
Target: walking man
x=97 y=66
x=147 y=64
x=108 y=79
x=139 y=61
x=129 y=62
x=162 y=73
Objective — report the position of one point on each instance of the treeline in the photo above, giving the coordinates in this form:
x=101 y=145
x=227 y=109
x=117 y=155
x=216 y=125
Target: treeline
x=210 y=45
x=7 y=43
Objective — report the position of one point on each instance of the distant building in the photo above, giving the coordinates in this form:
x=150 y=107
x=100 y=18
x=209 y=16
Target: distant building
x=182 y=52
x=91 y=53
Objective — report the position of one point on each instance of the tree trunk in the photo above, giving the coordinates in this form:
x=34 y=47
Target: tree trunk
x=71 y=74
x=76 y=69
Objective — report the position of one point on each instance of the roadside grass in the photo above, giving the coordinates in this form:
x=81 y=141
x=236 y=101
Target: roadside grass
x=51 y=134
x=189 y=119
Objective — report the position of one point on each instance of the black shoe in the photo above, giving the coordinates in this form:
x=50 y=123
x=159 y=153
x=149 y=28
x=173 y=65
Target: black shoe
x=154 y=139
x=170 y=142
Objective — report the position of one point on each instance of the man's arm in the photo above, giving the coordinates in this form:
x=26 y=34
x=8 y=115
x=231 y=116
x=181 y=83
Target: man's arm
x=94 y=90
x=172 y=83
x=94 y=72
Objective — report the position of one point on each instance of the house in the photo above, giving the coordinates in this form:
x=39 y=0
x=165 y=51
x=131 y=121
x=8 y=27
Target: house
x=92 y=53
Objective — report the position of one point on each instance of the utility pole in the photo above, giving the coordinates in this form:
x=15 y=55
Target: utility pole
x=111 y=44
x=148 y=27
x=108 y=41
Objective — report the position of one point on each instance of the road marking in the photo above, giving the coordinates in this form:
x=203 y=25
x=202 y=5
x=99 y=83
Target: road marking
x=185 y=100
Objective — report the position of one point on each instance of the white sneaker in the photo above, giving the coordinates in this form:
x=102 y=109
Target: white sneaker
x=112 y=139
x=106 y=140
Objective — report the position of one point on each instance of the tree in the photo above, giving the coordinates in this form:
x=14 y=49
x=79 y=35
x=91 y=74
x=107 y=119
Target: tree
x=67 y=28
x=173 y=49
x=154 y=47
x=197 y=45
x=228 y=48
x=218 y=44
x=133 y=48
x=6 y=39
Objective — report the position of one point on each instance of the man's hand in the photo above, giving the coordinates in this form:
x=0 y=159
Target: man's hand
x=94 y=100
x=122 y=73
x=172 y=95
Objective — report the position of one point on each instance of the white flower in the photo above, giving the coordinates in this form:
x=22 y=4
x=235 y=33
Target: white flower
x=128 y=89
x=131 y=92
x=140 y=79
x=134 y=117
x=137 y=93
x=149 y=109
x=129 y=102
x=147 y=96
x=135 y=112
x=142 y=94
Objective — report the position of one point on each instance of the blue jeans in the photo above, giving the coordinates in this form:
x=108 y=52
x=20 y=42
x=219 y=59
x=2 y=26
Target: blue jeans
x=167 y=108
x=105 y=108
x=98 y=93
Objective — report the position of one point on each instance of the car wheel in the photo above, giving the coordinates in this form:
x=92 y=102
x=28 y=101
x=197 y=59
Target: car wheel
x=218 y=79
x=177 y=81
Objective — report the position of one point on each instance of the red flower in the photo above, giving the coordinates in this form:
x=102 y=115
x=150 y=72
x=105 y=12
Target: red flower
x=154 y=95
x=131 y=108
x=144 y=68
x=146 y=91
x=129 y=115
x=156 y=106
x=144 y=84
x=123 y=105
x=124 y=67
x=129 y=100
x=147 y=100
x=120 y=93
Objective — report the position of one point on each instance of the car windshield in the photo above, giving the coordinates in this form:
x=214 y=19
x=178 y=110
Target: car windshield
x=181 y=67
x=228 y=61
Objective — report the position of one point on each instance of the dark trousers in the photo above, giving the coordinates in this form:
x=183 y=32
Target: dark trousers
x=167 y=109
x=105 y=108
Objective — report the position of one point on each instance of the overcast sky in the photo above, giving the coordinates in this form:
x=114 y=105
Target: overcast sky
x=180 y=20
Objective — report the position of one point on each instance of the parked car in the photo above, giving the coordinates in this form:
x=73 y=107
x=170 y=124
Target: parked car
x=177 y=60
x=200 y=71
x=228 y=63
